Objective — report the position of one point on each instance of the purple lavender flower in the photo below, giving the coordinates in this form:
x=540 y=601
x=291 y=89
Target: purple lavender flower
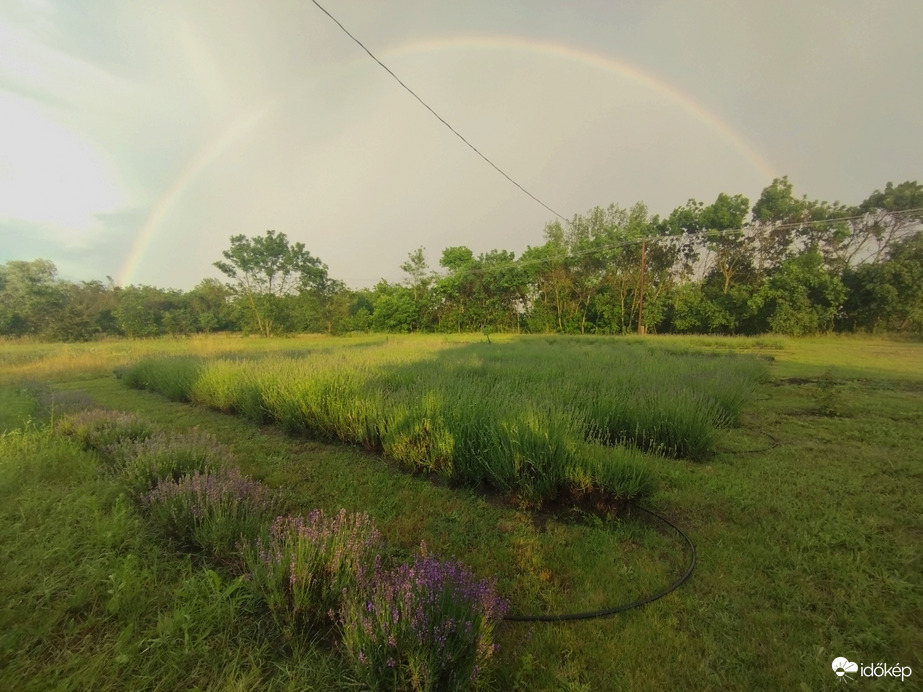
x=211 y=511
x=313 y=563
x=431 y=623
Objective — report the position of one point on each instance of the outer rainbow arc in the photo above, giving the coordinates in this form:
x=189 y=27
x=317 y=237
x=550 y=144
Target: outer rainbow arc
x=252 y=119
x=599 y=61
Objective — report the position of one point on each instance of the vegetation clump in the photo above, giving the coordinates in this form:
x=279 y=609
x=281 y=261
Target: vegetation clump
x=141 y=465
x=303 y=566
x=98 y=429
x=425 y=626
x=211 y=511
x=530 y=420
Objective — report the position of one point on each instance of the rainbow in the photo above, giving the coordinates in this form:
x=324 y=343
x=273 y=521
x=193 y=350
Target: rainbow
x=601 y=62
x=249 y=121
x=244 y=124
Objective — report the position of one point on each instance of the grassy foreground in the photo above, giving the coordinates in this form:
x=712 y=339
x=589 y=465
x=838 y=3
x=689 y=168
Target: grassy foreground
x=808 y=548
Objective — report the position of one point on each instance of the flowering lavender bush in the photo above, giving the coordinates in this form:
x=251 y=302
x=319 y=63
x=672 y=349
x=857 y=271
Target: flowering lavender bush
x=428 y=626
x=98 y=428
x=168 y=455
x=211 y=511
x=303 y=566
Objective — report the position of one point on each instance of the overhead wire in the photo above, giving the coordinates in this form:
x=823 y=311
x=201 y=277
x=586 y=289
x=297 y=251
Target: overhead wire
x=570 y=255
x=430 y=109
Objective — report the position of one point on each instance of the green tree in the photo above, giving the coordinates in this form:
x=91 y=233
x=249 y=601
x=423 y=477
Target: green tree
x=618 y=255
x=888 y=216
x=267 y=268
x=888 y=295
x=87 y=311
x=729 y=247
x=420 y=280
x=395 y=310
x=210 y=304
x=454 y=291
x=802 y=297
x=30 y=297
x=146 y=311
x=323 y=309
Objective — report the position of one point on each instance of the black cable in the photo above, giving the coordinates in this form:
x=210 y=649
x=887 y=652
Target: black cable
x=773 y=444
x=439 y=117
x=605 y=612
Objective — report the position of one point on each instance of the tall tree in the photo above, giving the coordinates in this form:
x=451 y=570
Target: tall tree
x=801 y=298
x=455 y=290
x=267 y=268
x=887 y=295
x=420 y=280
x=30 y=296
x=888 y=217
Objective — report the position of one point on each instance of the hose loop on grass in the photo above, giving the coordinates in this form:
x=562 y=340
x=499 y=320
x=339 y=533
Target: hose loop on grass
x=606 y=612
x=773 y=444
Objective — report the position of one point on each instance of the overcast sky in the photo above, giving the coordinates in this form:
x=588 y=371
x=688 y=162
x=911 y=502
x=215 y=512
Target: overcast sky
x=137 y=137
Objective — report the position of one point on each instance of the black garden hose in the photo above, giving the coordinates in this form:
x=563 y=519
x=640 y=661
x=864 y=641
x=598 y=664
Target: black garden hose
x=606 y=612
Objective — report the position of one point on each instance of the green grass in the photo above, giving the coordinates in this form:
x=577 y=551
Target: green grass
x=808 y=548
x=92 y=600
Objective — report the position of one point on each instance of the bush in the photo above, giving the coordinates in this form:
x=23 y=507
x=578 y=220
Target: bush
x=211 y=511
x=429 y=626
x=99 y=429
x=168 y=456
x=173 y=377
x=303 y=566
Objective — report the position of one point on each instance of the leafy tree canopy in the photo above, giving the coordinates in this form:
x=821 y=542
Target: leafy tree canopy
x=271 y=265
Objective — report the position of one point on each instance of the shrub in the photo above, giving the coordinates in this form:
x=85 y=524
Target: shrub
x=211 y=511
x=426 y=626
x=303 y=565
x=168 y=456
x=98 y=429
x=616 y=473
x=173 y=377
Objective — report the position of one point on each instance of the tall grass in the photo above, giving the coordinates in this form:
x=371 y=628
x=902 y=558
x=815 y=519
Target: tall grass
x=515 y=416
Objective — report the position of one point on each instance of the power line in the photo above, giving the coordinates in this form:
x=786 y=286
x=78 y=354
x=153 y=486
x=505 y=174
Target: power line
x=439 y=117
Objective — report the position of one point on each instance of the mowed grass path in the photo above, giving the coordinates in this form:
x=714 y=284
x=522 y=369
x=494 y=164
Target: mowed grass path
x=808 y=550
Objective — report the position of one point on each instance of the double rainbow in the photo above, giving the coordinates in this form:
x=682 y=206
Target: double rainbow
x=249 y=121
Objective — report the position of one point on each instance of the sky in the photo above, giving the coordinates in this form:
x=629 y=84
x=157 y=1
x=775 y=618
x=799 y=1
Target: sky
x=137 y=137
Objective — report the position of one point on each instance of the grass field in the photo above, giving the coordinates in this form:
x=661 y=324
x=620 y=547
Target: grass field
x=808 y=519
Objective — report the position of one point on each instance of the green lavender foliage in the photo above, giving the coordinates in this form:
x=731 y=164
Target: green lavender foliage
x=302 y=566
x=515 y=416
x=424 y=626
x=165 y=456
x=98 y=429
x=211 y=512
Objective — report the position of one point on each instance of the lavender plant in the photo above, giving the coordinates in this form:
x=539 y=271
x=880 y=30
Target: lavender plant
x=168 y=455
x=303 y=566
x=98 y=429
x=426 y=626
x=211 y=511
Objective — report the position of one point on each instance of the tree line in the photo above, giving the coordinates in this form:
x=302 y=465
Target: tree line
x=786 y=265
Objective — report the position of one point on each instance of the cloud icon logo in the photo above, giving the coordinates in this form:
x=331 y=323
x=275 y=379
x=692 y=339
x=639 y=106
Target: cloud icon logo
x=841 y=666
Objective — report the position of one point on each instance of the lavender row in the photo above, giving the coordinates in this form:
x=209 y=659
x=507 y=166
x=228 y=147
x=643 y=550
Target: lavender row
x=428 y=625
